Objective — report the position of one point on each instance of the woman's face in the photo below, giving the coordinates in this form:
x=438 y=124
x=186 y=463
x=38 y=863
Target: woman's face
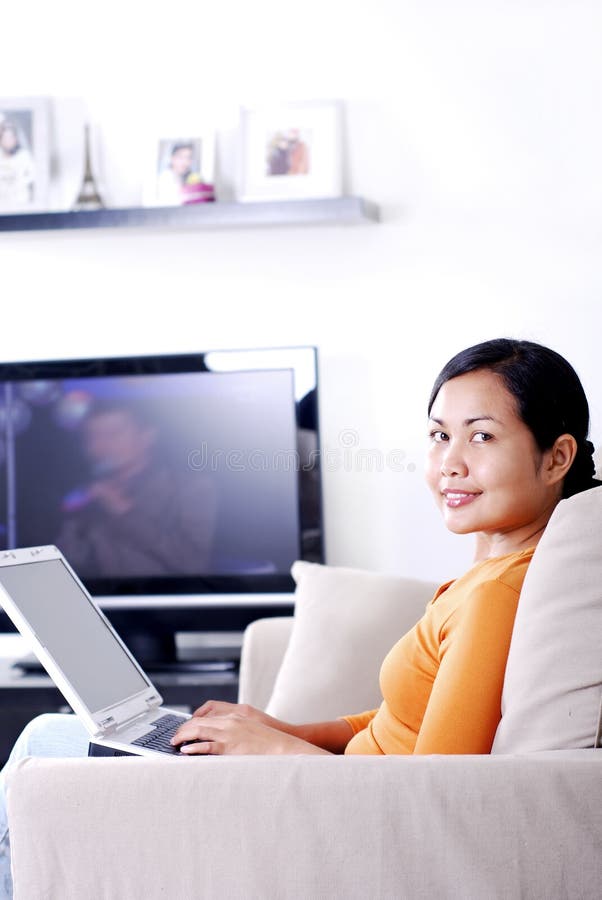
x=484 y=467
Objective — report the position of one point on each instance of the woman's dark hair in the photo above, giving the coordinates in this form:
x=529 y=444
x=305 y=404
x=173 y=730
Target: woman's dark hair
x=549 y=396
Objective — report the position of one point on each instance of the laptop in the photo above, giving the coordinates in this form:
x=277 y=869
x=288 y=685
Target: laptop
x=85 y=657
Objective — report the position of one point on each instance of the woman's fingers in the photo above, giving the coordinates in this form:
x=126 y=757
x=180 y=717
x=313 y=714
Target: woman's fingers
x=214 y=708
x=220 y=708
x=197 y=729
x=200 y=748
x=224 y=708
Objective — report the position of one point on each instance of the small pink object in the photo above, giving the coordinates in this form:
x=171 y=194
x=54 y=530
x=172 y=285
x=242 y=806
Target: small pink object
x=197 y=192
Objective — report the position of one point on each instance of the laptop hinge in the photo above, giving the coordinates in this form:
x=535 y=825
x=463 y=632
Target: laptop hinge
x=107 y=725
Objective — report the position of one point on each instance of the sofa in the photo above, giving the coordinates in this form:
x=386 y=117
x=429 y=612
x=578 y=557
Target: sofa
x=522 y=822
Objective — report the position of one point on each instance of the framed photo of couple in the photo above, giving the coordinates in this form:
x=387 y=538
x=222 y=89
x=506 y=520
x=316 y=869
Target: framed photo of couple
x=291 y=151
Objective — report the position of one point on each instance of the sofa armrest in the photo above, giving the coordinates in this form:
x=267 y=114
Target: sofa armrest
x=264 y=644
x=299 y=827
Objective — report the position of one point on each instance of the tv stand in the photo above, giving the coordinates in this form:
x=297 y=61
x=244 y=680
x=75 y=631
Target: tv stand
x=164 y=631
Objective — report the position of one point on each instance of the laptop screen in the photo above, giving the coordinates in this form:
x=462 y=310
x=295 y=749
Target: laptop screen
x=83 y=645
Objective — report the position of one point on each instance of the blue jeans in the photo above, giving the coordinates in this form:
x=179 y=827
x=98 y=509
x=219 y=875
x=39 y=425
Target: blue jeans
x=49 y=735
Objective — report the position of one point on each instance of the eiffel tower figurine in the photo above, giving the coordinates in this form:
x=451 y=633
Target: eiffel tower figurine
x=88 y=197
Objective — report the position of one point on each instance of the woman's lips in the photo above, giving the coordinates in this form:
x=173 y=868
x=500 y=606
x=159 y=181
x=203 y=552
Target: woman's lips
x=454 y=499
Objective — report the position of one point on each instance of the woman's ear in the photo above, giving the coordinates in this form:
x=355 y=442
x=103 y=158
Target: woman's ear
x=560 y=457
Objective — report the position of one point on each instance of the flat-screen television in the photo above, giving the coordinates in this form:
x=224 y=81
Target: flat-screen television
x=181 y=488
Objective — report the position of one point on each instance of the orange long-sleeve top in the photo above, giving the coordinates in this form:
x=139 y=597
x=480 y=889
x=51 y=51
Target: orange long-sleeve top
x=442 y=682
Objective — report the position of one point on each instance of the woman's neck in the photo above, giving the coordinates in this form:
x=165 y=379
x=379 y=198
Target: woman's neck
x=488 y=546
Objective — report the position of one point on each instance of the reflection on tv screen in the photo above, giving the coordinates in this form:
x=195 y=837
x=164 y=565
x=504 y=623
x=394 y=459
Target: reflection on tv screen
x=153 y=475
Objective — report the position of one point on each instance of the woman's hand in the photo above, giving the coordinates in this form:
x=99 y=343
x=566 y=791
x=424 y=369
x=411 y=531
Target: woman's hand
x=214 y=708
x=331 y=737
x=234 y=733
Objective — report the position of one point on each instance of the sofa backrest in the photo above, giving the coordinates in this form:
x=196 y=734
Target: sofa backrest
x=553 y=684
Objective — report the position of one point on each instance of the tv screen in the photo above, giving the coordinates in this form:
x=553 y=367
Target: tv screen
x=165 y=475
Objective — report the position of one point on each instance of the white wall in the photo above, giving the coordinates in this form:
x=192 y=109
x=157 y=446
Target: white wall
x=474 y=125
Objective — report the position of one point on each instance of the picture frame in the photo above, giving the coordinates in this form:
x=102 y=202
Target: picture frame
x=24 y=154
x=291 y=151
x=181 y=171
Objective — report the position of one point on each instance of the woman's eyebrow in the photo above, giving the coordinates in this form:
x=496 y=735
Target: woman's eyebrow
x=467 y=422
x=480 y=419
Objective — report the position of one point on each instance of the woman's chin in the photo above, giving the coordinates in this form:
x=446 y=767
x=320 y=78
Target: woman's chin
x=458 y=524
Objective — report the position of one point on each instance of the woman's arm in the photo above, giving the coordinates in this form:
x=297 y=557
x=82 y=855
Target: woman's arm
x=332 y=736
x=464 y=708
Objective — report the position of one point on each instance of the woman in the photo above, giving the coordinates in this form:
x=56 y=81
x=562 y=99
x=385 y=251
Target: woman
x=508 y=425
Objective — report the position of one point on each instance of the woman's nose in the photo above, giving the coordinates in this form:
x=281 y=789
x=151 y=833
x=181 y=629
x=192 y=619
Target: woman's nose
x=453 y=463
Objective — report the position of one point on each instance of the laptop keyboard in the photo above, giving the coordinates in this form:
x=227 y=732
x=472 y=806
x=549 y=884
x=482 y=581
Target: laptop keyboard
x=159 y=736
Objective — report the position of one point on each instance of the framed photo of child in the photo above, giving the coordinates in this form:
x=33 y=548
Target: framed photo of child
x=182 y=171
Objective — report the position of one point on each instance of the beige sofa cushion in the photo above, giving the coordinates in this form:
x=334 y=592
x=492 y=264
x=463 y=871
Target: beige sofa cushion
x=553 y=683
x=346 y=621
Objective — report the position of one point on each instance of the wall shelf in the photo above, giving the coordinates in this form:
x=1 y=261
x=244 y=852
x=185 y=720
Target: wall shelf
x=333 y=211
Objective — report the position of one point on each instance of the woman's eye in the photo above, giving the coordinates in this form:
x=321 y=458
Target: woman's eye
x=481 y=436
x=438 y=436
